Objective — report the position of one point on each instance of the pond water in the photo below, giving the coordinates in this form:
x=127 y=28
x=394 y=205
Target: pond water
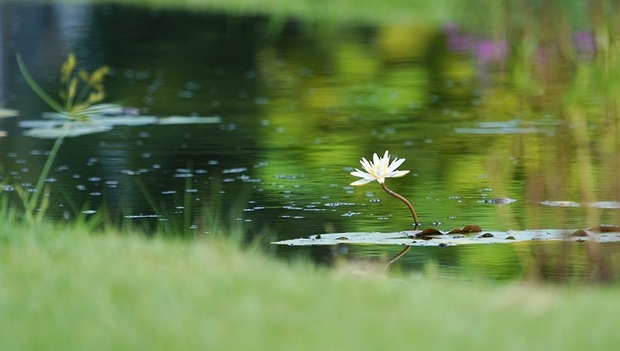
x=299 y=104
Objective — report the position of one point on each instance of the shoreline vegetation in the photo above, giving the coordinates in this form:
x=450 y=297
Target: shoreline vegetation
x=487 y=15
x=62 y=289
x=306 y=10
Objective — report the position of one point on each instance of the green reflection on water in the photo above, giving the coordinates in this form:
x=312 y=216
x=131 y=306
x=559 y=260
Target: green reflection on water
x=303 y=104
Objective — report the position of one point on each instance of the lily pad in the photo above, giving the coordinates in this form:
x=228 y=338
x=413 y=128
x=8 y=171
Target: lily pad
x=190 y=120
x=93 y=112
x=73 y=131
x=41 y=123
x=103 y=118
x=561 y=203
x=436 y=238
x=599 y=204
x=8 y=113
x=125 y=120
x=514 y=126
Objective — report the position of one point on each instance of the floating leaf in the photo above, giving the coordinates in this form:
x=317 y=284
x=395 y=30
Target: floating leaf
x=190 y=120
x=580 y=233
x=38 y=123
x=428 y=232
x=605 y=204
x=492 y=237
x=102 y=118
x=604 y=229
x=54 y=133
x=92 y=111
x=509 y=127
x=560 y=204
x=471 y=228
x=499 y=201
x=125 y=120
x=599 y=204
x=8 y=113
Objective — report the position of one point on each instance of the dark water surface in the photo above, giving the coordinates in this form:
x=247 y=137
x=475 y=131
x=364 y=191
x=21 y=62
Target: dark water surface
x=300 y=105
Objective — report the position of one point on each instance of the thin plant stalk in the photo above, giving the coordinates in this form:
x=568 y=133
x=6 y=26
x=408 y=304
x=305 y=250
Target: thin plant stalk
x=69 y=110
x=403 y=199
x=34 y=200
x=397 y=257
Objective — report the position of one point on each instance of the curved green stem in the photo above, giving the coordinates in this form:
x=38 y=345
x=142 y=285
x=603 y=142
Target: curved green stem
x=397 y=257
x=402 y=198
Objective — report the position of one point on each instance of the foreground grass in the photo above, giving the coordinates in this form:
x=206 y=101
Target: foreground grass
x=64 y=289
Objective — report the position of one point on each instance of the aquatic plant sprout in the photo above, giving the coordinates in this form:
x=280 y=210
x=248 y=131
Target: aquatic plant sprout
x=81 y=92
x=379 y=169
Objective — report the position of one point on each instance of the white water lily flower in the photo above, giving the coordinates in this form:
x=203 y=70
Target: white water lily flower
x=379 y=169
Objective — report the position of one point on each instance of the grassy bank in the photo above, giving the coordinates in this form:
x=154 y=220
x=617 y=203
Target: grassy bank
x=487 y=14
x=64 y=289
x=342 y=10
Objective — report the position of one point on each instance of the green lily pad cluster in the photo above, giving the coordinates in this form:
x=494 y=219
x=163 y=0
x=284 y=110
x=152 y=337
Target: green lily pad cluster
x=102 y=118
x=434 y=237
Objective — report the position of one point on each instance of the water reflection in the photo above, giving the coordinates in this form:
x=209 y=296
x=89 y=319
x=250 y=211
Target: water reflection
x=300 y=106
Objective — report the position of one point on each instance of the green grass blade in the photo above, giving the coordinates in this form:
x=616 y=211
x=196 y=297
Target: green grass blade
x=36 y=88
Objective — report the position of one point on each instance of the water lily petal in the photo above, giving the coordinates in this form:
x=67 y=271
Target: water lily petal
x=358 y=173
x=362 y=181
x=396 y=174
x=376 y=160
x=386 y=156
x=395 y=164
x=366 y=165
x=379 y=169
